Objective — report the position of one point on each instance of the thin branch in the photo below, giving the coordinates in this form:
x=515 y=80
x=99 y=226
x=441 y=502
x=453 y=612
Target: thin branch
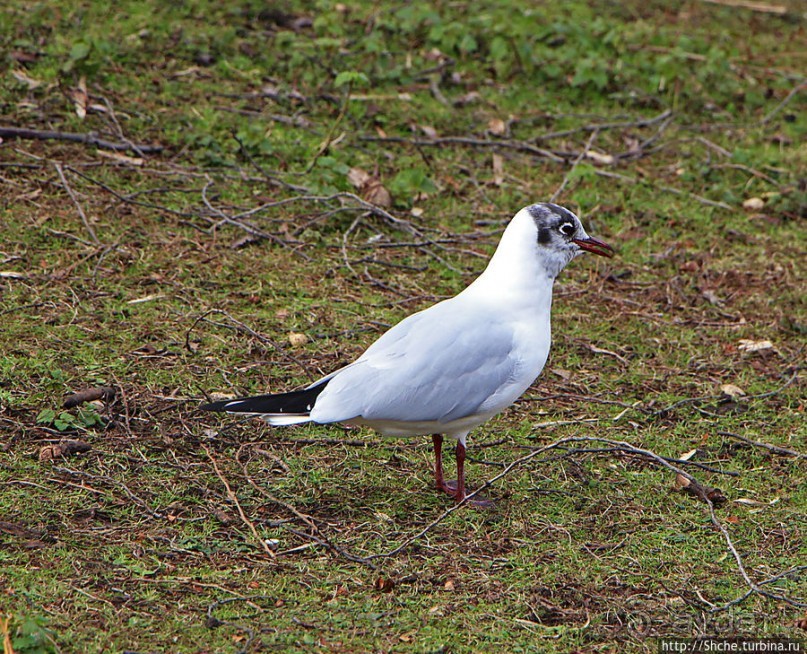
x=519 y=146
x=86 y=139
x=234 y=499
x=793 y=93
x=697 y=488
x=73 y=197
x=579 y=158
x=783 y=451
x=601 y=127
x=667 y=189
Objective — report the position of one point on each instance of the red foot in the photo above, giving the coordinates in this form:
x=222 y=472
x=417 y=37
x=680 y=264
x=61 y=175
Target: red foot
x=450 y=487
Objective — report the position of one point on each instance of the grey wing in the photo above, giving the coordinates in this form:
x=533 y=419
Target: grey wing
x=437 y=365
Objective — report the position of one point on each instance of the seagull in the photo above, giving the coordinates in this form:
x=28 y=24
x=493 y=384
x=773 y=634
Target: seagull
x=449 y=368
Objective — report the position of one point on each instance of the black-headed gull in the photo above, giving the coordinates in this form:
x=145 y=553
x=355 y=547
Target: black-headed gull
x=449 y=368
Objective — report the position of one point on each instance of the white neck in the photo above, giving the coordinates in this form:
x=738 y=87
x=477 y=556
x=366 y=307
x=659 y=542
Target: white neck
x=517 y=269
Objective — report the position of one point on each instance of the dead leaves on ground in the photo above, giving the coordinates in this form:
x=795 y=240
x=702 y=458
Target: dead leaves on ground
x=64 y=448
x=701 y=491
x=370 y=187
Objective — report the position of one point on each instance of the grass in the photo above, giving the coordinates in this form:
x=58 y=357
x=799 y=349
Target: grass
x=136 y=544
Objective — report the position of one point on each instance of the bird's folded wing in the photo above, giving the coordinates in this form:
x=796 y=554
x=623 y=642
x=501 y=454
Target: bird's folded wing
x=437 y=365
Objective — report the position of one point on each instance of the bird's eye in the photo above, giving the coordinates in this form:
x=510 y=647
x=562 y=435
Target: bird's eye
x=567 y=229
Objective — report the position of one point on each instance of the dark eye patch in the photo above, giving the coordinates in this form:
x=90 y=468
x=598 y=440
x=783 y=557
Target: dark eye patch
x=567 y=229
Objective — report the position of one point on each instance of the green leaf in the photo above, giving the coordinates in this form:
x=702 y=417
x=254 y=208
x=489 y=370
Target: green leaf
x=80 y=50
x=46 y=417
x=350 y=77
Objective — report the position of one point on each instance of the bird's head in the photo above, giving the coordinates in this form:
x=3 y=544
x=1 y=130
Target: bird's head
x=560 y=236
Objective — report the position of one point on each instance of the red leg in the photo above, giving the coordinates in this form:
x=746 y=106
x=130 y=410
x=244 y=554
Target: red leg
x=437 y=442
x=439 y=479
x=459 y=495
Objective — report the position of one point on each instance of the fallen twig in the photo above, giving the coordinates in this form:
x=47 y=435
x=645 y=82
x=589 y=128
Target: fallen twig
x=783 y=451
x=666 y=189
x=696 y=487
x=234 y=499
x=72 y=195
x=571 y=170
x=601 y=127
x=240 y=326
x=793 y=93
x=89 y=395
x=519 y=146
x=779 y=10
x=86 y=139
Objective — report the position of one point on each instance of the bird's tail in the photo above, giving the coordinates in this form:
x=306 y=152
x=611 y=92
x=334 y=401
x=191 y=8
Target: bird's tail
x=278 y=409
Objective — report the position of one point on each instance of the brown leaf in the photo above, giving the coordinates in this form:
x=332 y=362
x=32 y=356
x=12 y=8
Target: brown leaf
x=297 y=339
x=498 y=169
x=497 y=126
x=748 y=345
x=384 y=585
x=64 y=448
x=23 y=77
x=370 y=187
x=378 y=194
x=732 y=391
x=429 y=131
x=79 y=97
x=358 y=177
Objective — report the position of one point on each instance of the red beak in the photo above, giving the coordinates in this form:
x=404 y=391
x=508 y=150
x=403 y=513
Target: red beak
x=595 y=246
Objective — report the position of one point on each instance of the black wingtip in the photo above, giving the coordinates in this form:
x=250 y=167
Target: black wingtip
x=296 y=402
x=216 y=406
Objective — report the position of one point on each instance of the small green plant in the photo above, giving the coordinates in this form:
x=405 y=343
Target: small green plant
x=411 y=182
x=28 y=635
x=85 y=418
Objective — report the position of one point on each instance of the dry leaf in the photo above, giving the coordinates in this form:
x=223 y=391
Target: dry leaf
x=21 y=76
x=370 y=187
x=121 y=158
x=712 y=298
x=384 y=585
x=748 y=345
x=565 y=375
x=64 y=448
x=145 y=298
x=297 y=339
x=468 y=98
x=749 y=502
x=358 y=177
x=449 y=585
x=497 y=126
x=429 y=131
x=79 y=97
x=377 y=193
x=732 y=391
x=753 y=204
x=498 y=169
x=686 y=456
x=416 y=212
x=599 y=157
